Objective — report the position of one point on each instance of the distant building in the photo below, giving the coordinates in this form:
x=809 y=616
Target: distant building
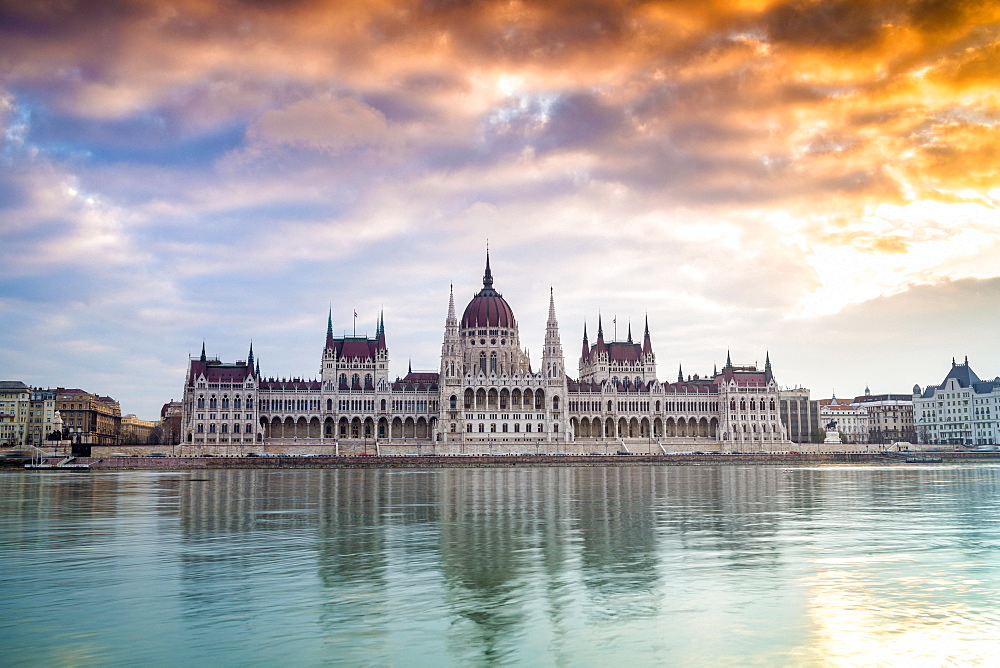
x=15 y=405
x=88 y=419
x=170 y=423
x=962 y=410
x=890 y=416
x=852 y=420
x=134 y=430
x=41 y=415
x=800 y=415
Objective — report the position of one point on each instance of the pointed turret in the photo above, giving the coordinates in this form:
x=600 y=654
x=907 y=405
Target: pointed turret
x=600 y=334
x=488 y=275
x=203 y=358
x=586 y=346
x=630 y=331
x=552 y=355
x=380 y=332
x=647 y=344
x=729 y=361
x=329 y=330
x=680 y=374
x=768 y=374
x=452 y=320
x=250 y=357
x=257 y=373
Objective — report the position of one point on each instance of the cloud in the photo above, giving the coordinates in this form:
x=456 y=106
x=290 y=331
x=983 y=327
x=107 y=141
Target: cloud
x=329 y=124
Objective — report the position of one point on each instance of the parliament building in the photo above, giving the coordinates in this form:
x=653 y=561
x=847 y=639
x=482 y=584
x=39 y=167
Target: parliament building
x=485 y=396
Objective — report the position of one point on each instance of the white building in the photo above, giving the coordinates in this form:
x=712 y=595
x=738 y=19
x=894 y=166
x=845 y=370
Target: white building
x=485 y=392
x=962 y=410
x=851 y=420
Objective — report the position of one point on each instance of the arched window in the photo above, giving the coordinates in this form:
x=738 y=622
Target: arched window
x=482 y=428
x=383 y=404
x=225 y=403
x=343 y=379
x=453 y=402
x=211 y=429
x=772 y=404
x=555 y=403
x=201 y=402
x=657 y=406
x=609 y=405
x=329 y=404
x=236 y=428
x=355 y=380
x=212 y=403
x=482 y=363
x=493 y=362
x=225 y=428
x=368 y=380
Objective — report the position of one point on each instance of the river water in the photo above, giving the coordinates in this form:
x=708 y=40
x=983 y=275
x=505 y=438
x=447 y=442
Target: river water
x=573 y=566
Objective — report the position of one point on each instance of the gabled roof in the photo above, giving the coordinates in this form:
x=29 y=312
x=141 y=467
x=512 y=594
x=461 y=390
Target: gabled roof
x=962 y=373
x=217 y=372
x=417 y=381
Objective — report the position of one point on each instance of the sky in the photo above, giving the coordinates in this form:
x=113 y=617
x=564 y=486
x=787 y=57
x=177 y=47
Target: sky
x=814 y=181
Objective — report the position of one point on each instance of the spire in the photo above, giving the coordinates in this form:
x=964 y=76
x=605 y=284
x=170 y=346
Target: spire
x=329 y=330
x=630 y=331
x=409 y=366
x=380 y=331
x=680 y=374
x=586 y=346
x=647 y=344
x=488 y=276
x=552 y=306
x=600 y=333
x=729 y=361
x=257 y=373
x=203 y=358
x=250 y=356
x=767 y=361
x=715 y=370
x=452 y=320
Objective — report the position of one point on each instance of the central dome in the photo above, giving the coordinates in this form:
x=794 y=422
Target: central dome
x=488 y=308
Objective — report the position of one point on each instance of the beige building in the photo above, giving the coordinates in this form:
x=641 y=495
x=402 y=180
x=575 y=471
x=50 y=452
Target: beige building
x=890 y=416
x=851 y=420
x=88 y=419
x=136 y=431
x=15 y=406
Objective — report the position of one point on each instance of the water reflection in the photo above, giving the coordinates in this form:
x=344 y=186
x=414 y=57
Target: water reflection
x=519 y=565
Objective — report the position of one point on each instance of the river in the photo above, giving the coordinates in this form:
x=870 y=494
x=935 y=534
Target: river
x=577 y=566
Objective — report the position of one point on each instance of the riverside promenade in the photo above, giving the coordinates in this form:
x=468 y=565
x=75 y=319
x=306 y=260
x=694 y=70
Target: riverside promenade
x=111 y=463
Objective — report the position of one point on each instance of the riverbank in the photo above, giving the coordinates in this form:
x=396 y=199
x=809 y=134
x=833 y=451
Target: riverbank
x=475 y=461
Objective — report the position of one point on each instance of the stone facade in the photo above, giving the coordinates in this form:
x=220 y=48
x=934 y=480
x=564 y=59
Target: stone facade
x=962 y=410
x=851 y=420
x=485 y=393
x=890 y=416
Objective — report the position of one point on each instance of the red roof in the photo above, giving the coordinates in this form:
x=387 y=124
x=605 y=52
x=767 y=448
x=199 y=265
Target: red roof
x=217 y=372
x=488 y=308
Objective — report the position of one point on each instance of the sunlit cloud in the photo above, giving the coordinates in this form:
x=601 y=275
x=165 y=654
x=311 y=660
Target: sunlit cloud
x=724 y=166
